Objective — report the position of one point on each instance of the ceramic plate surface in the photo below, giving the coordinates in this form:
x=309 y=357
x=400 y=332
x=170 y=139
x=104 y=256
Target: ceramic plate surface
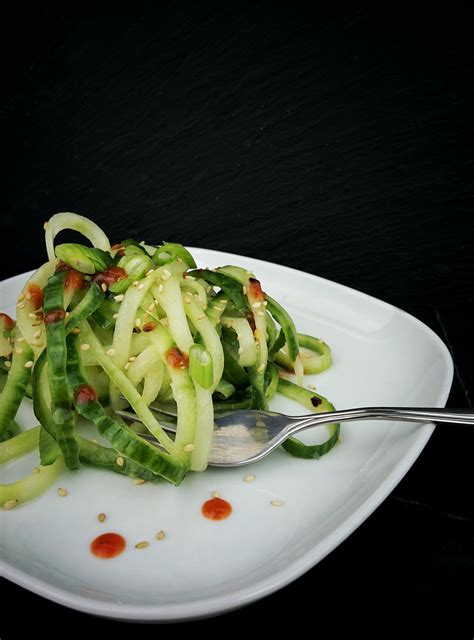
x=382 y=356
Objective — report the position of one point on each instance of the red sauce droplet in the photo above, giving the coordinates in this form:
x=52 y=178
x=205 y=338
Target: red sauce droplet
x=74 y=280
x=176 y=358
x=36 y=294
x=149 y=326
x=216 y=509
x=110 y=276
x=108 y=545
x=8 y=323
x=255 y=290
x=54 y=316
x=62 y=266
x=85 y=394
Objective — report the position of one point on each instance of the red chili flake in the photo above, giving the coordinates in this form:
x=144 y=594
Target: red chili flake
x=149 y=326
x=74 y=280
x=36 y=295
x=315 y=401
x=85 y=394
x=8 y=323
x=109 y=276
x=255 y=290
x=54 y=316
x=176 y=358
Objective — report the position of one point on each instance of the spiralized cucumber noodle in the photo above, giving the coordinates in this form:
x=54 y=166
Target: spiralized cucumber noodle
x=101 y=328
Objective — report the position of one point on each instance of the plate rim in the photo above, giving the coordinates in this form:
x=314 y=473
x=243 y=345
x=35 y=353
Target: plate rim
x=216 y=605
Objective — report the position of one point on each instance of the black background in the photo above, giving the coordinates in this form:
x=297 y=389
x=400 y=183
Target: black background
x=334 y=141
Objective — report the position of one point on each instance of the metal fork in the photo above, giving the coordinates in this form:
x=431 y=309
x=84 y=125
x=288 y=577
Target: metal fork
x=245 y=436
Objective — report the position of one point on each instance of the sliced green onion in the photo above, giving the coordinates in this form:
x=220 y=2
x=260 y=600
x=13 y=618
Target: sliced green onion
x=170 y=251
x=84 y=259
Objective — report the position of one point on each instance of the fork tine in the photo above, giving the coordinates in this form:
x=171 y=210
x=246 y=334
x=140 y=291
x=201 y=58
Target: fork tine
x=128 y=415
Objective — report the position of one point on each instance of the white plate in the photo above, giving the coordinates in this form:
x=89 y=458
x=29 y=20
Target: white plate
x=382 y=356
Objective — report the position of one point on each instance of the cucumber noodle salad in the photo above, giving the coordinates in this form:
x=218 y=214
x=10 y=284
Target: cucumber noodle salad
x=100 y=328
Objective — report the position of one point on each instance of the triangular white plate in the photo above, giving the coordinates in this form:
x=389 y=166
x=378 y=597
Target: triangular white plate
x=382 y=356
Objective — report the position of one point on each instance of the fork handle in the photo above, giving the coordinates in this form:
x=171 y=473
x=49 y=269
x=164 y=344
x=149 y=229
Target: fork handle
x=400 y=414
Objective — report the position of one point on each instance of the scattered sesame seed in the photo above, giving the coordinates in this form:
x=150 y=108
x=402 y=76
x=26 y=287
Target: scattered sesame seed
x=187 y=299
x=103 y=286
x=36 y=470
x=120 y=461
x=138 y=322
x=21 y=305
x=18 y=350
x=201 y=317
x=101 y=517
x=35 y=324
x=160 y=535
x=312 y=387
x=166 y=272
x=138 y=481
x=8 y=364
x=32 y=315
x=110 y=352
x=224 y=301
x=244 y=290
x=188 y=448
x=135 y=283
x=142 y=545
x=38 y=343
x=239 y=337
x=37 y=333
x=264 y=303
x=115 y=316
x=29 y=364
x=277 y=503
x=132 y=358
x=141 y=286
x=250 y=478
x=21 y=297
x=261 y=368
x=10 y=504
x=28 y=296
x=127 y=366
x=85 y=346
x=216 y=494
x=94 y=441
x=62 y=492
x=151 y=306
x=260 y=313
x=20 y=339
x=256 y=305
x=149 y=272
x=119 y=297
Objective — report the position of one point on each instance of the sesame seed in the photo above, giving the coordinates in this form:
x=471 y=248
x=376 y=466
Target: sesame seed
x=21 y=305
x=260 y=313
x=115 y=316
x=256 y=305
x=76 y=330
x=138 y=322
x=8 y=364
x=62 y=492
x=32 y=315
x=85 y=346
x=239 y=337
x=21 y=297
x=149 y=272
x=10 y=504
x=261 y=368
x=201 y=317
x=38 y=343
x=277 y=503
x=138 y=481
x=28 y=296
x=244 y=290
x=151 y=307
x=250 y=478
x=135 y=283
x=224 y=301
x=20 y=339
x=110 y=352
x=101 y=517
x=264 y=303
x=94 y=441
x=127 y=366
x=160 y=535
x=188 y=448
x=19 y=350
x=36 y=470
x=216 y=494
x=187 y=299
x=132 y=358
x=37 y=333
x=29 y=364
x=166 y=272
x=120 y=461
x=103 y=286
x=141 y=286
x=142 y=545
x=119 y=297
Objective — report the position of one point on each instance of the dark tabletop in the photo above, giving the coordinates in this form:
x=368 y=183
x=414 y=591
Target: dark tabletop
x=336 y=142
